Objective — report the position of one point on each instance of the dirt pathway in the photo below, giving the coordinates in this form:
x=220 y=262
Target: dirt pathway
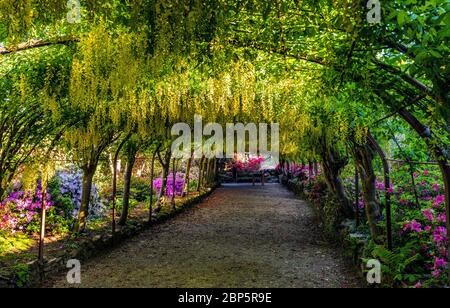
x=241 y=236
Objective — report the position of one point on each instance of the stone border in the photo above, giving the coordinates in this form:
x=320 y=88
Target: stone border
x=34 y=274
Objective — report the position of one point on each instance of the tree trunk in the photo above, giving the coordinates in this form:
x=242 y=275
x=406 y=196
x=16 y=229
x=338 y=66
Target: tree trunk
x=387 y=185
x=200 y=172
x=357 y=218
x=209 y=172
x=166 y=169
x=2 y=190
x=174 y=177
x=127 y=185
x=43 y=221
x=88 y=176
x=364 y=162
x=205 y=172
x=215 y=170
x=114 y=188
x=152 y=175
x=311 y=171
x=332 y=165
x=187 y=178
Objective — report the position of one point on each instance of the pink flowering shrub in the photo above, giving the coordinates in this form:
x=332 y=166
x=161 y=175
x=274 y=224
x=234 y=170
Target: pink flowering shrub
x=420 y=229
x=253 y=164
x=179 y=185
x=20 y=211
x=420 y=256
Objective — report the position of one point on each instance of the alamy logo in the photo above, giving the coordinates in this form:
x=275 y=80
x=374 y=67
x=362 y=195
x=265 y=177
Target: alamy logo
x=235 y=136
x=374 y=274
x=74 y=274
x=374 y=15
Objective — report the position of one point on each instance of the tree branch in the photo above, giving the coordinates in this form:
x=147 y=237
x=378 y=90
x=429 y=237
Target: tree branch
x=412 y=81
x=37 y=44
x=281 y=51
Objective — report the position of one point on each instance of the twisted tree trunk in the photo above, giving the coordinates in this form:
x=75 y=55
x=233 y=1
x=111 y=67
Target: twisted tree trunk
x=152 y=177
x=311 y=170
x=364 y=157
x=132 y=151
x=332 y=165
x=387 y=185
x=114 y=188
x=166 y=168
x=88 y=176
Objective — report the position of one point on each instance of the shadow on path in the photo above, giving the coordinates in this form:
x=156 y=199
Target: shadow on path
x=241 y=236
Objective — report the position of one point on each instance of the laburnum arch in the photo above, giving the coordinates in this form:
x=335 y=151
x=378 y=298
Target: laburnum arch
x=128 y=71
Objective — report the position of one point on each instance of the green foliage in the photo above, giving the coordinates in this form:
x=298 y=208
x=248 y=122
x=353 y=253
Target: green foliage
x=140 y=189
x=14 y=243
x=22 y=273
x=396 y=265
x=139 y=66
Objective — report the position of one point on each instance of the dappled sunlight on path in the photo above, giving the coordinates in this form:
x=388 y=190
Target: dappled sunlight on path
x=241 y=236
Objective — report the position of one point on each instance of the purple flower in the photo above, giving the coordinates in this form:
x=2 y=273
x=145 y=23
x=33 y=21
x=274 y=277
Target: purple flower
x=361 y=204
x=412 y=226
x=179 y=185
x=441 y=217
x=439 y=201
x=439 y=263
x=380 y=185
x=440 y=235
x=436 y=273
x=428 y=214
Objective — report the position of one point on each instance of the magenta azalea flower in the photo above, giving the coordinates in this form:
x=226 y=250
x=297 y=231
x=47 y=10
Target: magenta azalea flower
x=436 y=273
x=439 y=200
x=441 y=218
x=428 y=214
x=380 y=185
x=439 y=263
x=440 y=235
x=361 y=204
x=413 y=226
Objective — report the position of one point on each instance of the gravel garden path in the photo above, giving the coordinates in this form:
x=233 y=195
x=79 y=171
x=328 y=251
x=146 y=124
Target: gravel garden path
x=241 y=236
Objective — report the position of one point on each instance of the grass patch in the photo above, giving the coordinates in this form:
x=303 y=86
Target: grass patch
x=14 y=243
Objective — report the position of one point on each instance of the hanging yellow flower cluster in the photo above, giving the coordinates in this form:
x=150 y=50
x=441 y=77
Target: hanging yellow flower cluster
x=106 y=86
